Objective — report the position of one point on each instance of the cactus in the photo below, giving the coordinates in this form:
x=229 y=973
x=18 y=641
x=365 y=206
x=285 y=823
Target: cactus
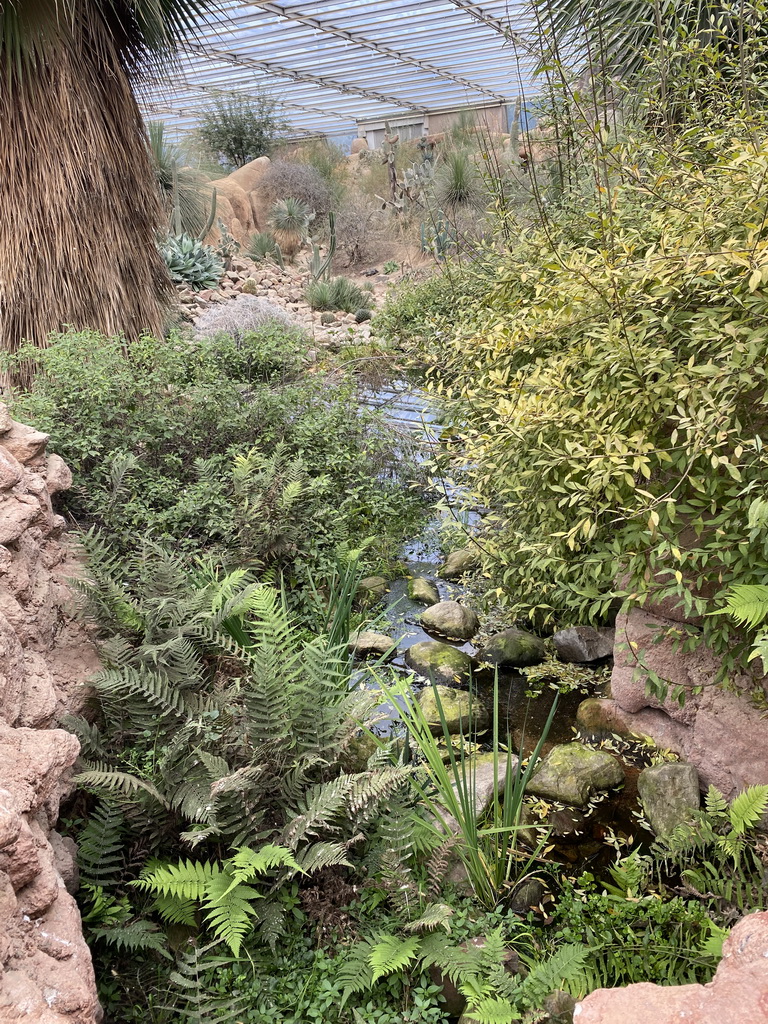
x=438 y=237
x=361 y=315
x=320 y=268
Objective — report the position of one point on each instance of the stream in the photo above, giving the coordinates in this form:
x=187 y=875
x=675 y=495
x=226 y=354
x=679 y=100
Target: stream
x=581 y=836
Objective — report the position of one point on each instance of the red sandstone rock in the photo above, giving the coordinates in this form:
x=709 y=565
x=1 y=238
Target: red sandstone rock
x=738 y=994
x=46 y=975
x=720 y=732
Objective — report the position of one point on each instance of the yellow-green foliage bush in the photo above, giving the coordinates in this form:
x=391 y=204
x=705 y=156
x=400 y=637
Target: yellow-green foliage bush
x=611 y=396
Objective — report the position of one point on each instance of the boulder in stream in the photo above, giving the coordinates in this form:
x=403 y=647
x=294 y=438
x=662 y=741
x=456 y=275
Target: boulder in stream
x=668 y=793
x=571 y=773
x=451 y=619
x=372 y=588
x=459 y=562
x=423 y=590
x=462 y=710
x=439 y=662
x=513 y=648
x=365 y=642
x=583 y=644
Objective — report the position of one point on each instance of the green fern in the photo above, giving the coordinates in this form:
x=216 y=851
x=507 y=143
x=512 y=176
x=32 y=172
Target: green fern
x=391 y=953
x=100 y=846
x=134 y=937
x=221 y=890
x=196 y=970
x=748 y=603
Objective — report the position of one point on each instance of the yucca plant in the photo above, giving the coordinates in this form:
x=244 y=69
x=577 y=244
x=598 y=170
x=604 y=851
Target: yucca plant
x=458 y=183
x=66 y=88
x=290 y=219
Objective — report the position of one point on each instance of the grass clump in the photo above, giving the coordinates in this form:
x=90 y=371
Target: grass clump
x=338 y=293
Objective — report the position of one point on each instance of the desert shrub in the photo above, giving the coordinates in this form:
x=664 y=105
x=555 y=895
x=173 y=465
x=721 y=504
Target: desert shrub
x=339 y=293
x=243 y=315
x=607 y=395
x=192 y=263
x=180 y=440
x=240 y=128
x=358 y=231
x=289 y=179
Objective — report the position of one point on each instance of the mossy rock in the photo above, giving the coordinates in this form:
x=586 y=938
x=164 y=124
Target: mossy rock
x=372 y=588
x=451 y=619
x=459 y=562
x=669 y=794
x=366 y=642
x=462 y=711
x=440 y=663
x=513 y=648
x=571 y=773
x=423 y=590
x=598 y=717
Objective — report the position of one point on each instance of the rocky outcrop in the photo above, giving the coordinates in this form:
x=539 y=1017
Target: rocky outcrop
x=46 y=974
x=718 y=731
x=238 y=202
x=738 y=994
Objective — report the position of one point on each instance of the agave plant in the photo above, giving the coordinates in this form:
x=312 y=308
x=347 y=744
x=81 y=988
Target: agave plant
x=290 y=219
x=68 y=70
x=192 y=263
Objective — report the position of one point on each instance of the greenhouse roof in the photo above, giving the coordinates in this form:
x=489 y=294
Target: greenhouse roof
x=337 y=63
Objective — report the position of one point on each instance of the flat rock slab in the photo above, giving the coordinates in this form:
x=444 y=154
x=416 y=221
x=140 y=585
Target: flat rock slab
x=513 y=648
x=451 y=619
x=583 y=644
x=423 y=590
x=571 y=773
x=440 y=663
x=462 y=711
x=366 y=642
x=668 y=793
x=457 y=563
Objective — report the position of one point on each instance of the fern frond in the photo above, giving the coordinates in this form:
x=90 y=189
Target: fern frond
x=322 y=855
x=491 y=1010
x=391 y=953
x=748 y=604
x=101 y=776
x=135 y=936
x=748 y=807
x=176 y=910
x=192 y=982
x=187 y=880
x=100 y=846
x=565 y=969
x=229 y=909
x=436 y=916
x=715 y=802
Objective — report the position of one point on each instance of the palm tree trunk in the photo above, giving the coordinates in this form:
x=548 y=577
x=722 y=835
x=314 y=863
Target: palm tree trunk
x=79 y=210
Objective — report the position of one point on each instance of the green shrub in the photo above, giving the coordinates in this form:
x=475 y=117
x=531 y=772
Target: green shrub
x=339 y=293
x=241 y=128
x=177 y=439
x=608 y=395
x=191 y=262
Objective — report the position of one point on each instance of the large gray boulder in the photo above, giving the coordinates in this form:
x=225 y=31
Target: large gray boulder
x=571 y=773
x=513 y=648
x=451 y=619
x=668 y=793
x=459 y=562
x=439 y=662
x=462 y=711
x=423 y=590
x=582 y=644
